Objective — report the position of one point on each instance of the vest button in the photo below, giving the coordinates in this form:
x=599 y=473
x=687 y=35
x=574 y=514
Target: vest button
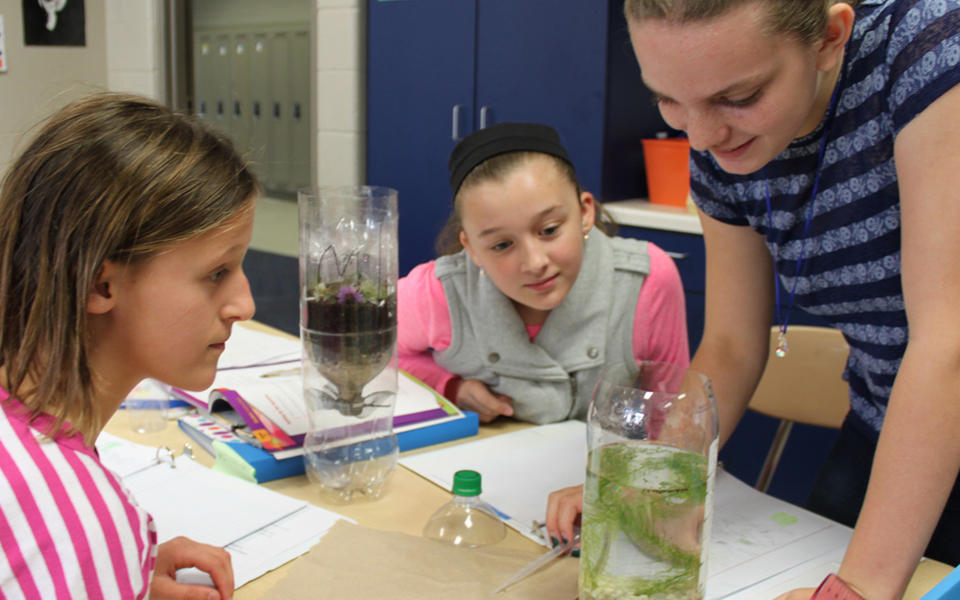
x=493 y=357
x=592 y=352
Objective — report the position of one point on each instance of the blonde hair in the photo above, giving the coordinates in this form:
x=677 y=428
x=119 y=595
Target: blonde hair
x=109 y=177
x=497 y=168
x=806 y=20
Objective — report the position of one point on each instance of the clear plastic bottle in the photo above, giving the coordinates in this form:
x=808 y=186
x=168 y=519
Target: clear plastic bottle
x=466 y=520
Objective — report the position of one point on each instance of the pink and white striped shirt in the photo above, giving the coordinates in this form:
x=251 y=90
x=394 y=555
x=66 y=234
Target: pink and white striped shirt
x=68 y=527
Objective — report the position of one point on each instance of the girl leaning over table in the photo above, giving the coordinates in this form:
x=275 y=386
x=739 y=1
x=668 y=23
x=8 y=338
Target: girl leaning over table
x=518 y=318
x=826 y=154
x=123 y=232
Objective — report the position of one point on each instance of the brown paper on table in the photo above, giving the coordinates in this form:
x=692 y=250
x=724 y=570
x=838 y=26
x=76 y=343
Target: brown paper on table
x=353 y=562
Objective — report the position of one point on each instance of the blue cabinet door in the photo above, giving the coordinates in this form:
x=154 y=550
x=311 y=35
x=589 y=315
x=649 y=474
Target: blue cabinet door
x=545 y=61
x=420 y=73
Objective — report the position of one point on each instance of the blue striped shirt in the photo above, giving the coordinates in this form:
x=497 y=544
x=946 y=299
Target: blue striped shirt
x=902 y=55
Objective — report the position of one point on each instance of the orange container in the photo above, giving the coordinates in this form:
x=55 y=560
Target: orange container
x=667 y=162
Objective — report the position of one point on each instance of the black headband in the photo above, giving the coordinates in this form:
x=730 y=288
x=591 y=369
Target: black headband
x=500 y=139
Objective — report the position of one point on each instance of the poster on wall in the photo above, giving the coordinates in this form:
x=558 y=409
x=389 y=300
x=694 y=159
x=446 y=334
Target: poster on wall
x=3 y=48
x=54 y=23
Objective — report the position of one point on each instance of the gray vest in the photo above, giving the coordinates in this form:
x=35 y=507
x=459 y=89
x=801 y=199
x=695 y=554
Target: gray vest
x=552 y=378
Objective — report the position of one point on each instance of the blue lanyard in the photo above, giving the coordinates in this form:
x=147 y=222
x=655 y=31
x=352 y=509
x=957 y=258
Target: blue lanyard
x=782 y=348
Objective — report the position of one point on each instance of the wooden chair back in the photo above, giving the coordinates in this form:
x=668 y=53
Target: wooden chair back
x=805 y=386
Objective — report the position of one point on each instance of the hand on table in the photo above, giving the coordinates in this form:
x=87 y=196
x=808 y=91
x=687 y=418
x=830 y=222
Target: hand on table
x=182 y=553
x=474 y=395
x=563 y=511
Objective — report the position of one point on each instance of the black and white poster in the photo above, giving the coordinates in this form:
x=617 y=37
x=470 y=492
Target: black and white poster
x=54 y=23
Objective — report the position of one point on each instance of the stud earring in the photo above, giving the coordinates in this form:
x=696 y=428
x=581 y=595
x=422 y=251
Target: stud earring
x=482 y=272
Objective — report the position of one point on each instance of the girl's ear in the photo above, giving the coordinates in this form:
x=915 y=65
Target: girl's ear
x=101 y=299
x=839 y=27
x=588 y=211
x=466 y=246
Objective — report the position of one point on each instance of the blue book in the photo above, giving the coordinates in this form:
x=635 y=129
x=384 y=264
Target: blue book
x=238 y=457
x=439 y=432
x=233 y=454
x=947 y=589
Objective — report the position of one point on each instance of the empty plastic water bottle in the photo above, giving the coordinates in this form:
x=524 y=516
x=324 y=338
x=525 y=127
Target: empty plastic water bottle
x=466 y=520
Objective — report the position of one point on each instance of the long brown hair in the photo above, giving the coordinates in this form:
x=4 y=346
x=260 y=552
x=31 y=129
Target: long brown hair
x=498 y=168
x=109 y=177
x=804 y=19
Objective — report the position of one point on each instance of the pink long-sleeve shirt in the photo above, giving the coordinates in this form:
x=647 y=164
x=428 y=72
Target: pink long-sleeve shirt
x=659 y=325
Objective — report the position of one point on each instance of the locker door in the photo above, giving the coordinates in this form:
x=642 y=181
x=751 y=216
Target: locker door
x=278 y=146
x=220 y=79
x=239 y=106
x=204 y=86
x=300 y=113
x=260 y=99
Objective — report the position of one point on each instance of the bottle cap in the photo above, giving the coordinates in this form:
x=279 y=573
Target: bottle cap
x=466 y=483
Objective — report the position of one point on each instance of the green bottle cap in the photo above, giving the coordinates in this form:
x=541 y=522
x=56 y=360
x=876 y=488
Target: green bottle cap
x=466 y=483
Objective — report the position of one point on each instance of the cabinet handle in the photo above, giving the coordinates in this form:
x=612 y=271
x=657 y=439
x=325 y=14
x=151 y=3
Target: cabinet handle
x=677 y=255
x=455 y=128
x=483 y=116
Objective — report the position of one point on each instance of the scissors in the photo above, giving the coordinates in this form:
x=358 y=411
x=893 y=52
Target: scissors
x=535 y=565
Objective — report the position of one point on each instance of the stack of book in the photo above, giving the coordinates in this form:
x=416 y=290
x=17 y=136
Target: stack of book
x=253 y=418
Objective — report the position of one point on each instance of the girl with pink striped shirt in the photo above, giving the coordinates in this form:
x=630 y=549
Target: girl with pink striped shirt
x=123 y=232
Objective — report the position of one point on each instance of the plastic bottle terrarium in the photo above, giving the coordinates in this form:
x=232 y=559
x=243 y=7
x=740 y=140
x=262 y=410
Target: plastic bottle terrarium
x=652 y=455
x=348 y=328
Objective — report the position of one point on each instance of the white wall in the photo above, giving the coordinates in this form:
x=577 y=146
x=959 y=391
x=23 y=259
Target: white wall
x=135 y=47
x=341 y=92
x=41 y=79
x=124 y=53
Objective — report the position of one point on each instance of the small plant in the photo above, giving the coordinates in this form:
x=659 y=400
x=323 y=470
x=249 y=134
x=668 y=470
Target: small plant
x=351 y=327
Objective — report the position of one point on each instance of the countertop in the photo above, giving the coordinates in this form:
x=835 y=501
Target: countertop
x=641 y=213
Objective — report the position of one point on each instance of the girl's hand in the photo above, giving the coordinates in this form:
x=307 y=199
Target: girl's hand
x=182 y=553
x=801 y=594
x=563 y=511
x=474 y=395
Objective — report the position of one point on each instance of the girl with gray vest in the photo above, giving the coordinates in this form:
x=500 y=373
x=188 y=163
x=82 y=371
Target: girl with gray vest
x=520 y=321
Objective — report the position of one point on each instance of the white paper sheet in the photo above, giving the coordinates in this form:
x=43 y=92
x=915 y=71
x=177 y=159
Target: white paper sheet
x=249 y=347
x=518 y=469
x=756 y=536
x=261 y=529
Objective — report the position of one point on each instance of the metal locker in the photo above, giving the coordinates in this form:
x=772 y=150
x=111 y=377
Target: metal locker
x=254 y=86
x=204 y=86
x=301 y=113
x=220 y=76
x=278 y=148
x=239 y=107
x=260 y=120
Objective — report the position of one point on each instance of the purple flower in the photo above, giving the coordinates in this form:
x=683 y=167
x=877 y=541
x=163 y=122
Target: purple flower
x=348 y=292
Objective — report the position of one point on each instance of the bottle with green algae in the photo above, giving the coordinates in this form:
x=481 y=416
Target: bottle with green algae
x=652 y=448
